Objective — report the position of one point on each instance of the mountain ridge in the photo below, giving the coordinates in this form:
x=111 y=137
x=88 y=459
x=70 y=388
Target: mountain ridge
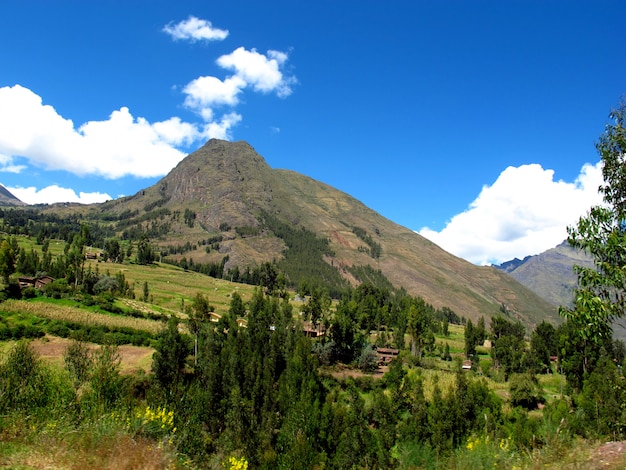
x=228 y=185
x=7 y=198
x=549 y=274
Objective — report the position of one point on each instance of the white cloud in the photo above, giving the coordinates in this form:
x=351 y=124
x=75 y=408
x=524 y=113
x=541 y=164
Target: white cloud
x=524 y=212
x=176 y=132
x=54 y=193
x=207 y=92
x=261 y=72
x=120 y=146
x=195 y=29
x=221 y=129
x=7 y=166
x=126 y=145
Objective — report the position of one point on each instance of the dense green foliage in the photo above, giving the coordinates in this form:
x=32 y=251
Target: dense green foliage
x=601 y=293
x=304 y=257
x=375 y=249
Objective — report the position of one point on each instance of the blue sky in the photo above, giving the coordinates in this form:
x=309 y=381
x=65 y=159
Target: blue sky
x=471 y=122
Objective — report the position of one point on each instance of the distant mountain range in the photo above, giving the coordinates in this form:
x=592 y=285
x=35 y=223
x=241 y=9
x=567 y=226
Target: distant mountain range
x=551 y=276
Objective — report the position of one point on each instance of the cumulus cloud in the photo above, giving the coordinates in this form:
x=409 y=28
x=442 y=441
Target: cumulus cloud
x=54 y=193
x=194 y=29
x=262 y=73
x=204 y=93
x=525 y=211
x=122 y=145
x=221 y=129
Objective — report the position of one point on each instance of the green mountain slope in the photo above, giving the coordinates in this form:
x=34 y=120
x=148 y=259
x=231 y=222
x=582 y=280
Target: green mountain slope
x=224 y=189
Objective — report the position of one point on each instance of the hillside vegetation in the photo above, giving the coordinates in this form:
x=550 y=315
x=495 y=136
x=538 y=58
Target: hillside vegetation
x=226 y=211
x=291 y=327
x=152 y=365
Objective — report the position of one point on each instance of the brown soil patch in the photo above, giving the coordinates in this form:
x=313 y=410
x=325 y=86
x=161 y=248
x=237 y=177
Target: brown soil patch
x=611 y=455
x=342 y=372
x=134 y=358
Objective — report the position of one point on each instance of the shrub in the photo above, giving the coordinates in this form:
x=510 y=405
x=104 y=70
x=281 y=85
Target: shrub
x=12 y=290
x=78 y=361
x=106 y=284
x=29 y=292
x=368 y=360
x=324 y=351
x=56 y=289
x=24 y=383
x=5 y=331
x=525 y=391
x=58 y=328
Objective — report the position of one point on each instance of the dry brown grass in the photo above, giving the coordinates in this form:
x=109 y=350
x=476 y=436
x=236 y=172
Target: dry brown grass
x=80 y=316
x=134 y=358
x=85 y=451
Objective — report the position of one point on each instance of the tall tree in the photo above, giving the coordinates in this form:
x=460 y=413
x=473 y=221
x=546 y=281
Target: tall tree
x=201 y=309
x=601 y=293
x=8 y=258
x=168 y=360
x=419 y=323
x=542 y=346
x=470 y=340
x=145 y=255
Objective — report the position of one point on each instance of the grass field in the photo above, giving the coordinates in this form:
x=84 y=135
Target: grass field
x=171 y=287
x=52 y=348
x=79 y=315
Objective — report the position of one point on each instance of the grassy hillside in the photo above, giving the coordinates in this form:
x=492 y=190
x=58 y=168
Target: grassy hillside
x=221 y=192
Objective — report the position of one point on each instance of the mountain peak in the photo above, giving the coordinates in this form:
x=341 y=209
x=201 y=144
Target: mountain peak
x=7 y=198
x=231 y=190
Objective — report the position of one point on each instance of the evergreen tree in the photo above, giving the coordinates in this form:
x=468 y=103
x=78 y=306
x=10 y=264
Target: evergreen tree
x=145 y=255
x=470 y=340
x=542 y=346
x=507 y=347
x=8 y=257
x=168 y=360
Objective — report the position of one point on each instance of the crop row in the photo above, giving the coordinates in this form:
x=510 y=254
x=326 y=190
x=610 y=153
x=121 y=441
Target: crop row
x=79 y=316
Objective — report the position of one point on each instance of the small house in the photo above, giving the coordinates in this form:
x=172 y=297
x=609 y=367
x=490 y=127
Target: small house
x=43 y=281
x=386 y=355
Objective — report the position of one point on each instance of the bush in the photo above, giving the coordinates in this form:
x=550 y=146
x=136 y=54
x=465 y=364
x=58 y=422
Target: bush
x=106 y=284
x=368 y=360
x=324 y=351
x=5 y=332
x=525 y=391
x=524 y=430
x=24 y=384
x=31 y=332
x=57 y=328
x=56 y=289
x=12 y=290
x=602 y=401
x=29 y=293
